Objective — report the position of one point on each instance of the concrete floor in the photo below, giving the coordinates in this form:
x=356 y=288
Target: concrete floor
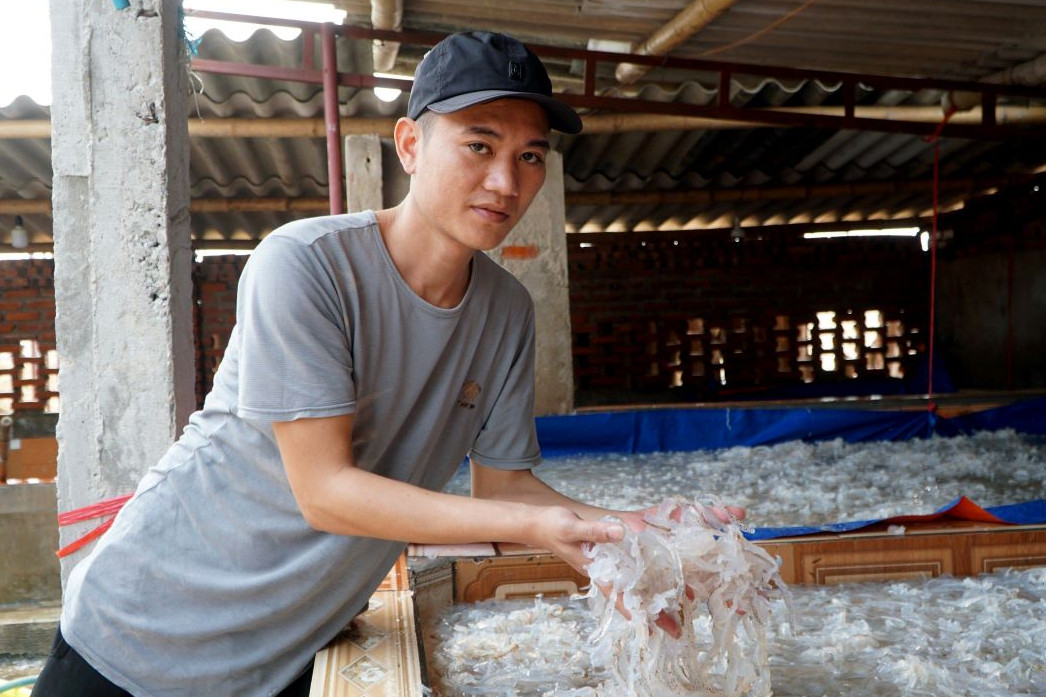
x=26 y=633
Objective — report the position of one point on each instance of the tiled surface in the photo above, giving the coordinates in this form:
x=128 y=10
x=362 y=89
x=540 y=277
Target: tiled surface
x=377 y=656
x=960 y=548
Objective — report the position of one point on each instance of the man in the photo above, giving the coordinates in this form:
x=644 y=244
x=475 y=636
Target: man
x=372 y=353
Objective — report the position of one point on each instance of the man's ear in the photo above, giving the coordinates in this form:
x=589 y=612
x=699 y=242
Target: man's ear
x=407 y=135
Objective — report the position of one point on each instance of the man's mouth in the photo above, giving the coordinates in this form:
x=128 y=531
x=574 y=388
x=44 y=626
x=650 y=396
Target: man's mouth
x=493 y=214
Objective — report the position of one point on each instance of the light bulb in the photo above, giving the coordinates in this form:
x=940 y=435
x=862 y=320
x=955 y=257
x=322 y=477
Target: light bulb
x=19 y=237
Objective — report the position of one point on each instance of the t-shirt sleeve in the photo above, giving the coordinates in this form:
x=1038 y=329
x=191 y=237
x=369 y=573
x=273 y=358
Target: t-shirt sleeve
x=295 y=354
x=508 y=439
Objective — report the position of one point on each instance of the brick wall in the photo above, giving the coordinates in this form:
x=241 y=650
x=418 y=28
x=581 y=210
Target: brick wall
x=28 y=355
x=696 y=316
x=214 y=279
x=655 y=316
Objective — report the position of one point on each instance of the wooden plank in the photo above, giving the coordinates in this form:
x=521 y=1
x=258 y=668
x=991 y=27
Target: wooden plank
x=32 y=458
x=376 y=656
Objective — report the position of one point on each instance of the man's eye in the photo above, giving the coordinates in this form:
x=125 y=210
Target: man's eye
x=532 y=157
x=478 y=147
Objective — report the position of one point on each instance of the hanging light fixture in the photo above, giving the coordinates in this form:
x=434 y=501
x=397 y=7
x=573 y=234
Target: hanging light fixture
x=19 y=237
x=737 y=233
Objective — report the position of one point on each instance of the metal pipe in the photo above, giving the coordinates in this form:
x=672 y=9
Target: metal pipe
x=692 y=19
x=332 y=119
x=6 y=426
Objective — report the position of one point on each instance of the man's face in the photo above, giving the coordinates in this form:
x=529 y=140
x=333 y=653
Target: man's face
x=475 y=171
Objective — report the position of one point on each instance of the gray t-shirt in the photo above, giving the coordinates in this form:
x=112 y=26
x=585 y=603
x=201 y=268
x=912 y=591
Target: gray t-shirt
x=210 y=582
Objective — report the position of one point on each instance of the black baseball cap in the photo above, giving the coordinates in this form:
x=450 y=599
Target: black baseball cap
x=470 y=68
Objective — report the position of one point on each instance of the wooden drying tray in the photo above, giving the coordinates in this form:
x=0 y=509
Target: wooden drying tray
x=383 y=655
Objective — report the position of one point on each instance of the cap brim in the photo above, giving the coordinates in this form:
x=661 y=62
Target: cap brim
x=560 y=116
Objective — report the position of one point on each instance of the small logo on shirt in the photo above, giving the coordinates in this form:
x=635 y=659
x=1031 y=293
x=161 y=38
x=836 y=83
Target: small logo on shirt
x=470 y=390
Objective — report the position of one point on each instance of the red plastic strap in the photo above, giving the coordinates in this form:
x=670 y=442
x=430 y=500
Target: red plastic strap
x=95 y=510
x=79 y=542
x=108 y=507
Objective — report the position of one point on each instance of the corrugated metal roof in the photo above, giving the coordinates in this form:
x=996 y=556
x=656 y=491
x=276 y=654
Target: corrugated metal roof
x=933 y=38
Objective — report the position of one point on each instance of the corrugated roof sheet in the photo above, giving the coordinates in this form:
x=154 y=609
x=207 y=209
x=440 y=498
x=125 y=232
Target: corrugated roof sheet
x=958 y=40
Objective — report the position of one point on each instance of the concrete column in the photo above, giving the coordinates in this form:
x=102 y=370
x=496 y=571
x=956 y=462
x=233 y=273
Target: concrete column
x=536 y=253
x=363 y=177
x=123 y=286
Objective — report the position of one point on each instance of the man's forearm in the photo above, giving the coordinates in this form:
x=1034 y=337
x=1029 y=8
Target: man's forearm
x=357 y=502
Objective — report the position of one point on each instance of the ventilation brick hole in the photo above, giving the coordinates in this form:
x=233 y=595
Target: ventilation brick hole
x=677 y=379
x=695 y=326
x=30 y=348
x=873 y=319
x=828 y=362
x=30 y=370
x=807 y=373
x=826 y=320
x=874 y=361
x=782 y=344
x=718 y=336
x=697 y=348
x=850 y=330
x=873 y=340
x=895 y=328
x=717 y=357
x=781 y=323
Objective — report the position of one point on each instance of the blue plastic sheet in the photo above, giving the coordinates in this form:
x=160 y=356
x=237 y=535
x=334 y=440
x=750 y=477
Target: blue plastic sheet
x=962 y=508
x=659 y=430
x=656 y=430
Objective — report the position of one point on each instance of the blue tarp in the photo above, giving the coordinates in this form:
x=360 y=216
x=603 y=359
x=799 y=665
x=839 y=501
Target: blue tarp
x=1028 y=513
x=656 y=430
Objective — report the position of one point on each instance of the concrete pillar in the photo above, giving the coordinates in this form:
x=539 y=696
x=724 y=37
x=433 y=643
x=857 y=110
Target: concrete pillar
x=123 y=286
x=536 y=253
x=363 y=173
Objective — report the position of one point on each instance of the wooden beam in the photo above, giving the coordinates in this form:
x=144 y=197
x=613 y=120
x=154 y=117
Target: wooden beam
x=601 y=123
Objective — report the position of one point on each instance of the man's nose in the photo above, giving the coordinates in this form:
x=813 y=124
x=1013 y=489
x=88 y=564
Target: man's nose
x=502 y=178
